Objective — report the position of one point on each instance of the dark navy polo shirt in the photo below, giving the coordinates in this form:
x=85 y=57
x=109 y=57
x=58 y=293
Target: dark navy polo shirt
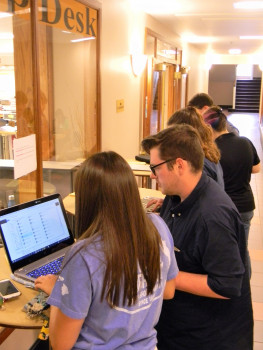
x=209 y=239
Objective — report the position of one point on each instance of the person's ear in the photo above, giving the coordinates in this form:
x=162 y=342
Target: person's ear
x=180 y=163
x=204 y=109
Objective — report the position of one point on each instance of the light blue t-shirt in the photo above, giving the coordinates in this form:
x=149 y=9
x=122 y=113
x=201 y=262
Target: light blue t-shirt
x=77 y=294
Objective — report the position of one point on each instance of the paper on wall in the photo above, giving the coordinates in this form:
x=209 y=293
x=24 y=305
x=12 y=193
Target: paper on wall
x=25 y=160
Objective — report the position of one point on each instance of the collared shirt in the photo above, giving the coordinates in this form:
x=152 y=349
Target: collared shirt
x=209 y=239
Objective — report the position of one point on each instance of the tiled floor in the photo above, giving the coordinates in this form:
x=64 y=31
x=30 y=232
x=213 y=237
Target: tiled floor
x=248 y=126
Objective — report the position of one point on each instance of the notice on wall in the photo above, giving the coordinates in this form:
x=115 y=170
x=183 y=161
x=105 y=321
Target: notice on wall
x=25 y=159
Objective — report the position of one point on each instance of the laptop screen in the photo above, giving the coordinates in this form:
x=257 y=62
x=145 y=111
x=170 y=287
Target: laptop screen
x=34 y=229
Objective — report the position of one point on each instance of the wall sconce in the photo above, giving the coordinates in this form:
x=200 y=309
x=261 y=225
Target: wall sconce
x=138 y=63
x=184 y=70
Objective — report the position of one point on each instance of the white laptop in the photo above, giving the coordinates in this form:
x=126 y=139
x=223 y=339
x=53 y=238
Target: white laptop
x=36 y=236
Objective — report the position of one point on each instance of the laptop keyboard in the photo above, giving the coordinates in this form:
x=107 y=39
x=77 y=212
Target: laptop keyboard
x=51 y=268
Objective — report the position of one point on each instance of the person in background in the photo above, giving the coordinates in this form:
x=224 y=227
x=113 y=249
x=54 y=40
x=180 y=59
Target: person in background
x=212 y=166
x=239 y=159
x=202 y=102
x=191 y=116
x=112 y=284
x=212 y=307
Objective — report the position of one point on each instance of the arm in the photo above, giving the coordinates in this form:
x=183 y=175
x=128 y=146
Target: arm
x=256 y=168
x=195 y=284
x=63 y=330
x=169 y=289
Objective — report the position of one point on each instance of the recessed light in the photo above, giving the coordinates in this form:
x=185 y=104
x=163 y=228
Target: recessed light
x=169 y=52
x=248 y=5
x=234 y=51
x=195 y=39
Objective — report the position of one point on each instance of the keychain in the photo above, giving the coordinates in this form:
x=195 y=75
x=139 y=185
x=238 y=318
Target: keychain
x=37 y=305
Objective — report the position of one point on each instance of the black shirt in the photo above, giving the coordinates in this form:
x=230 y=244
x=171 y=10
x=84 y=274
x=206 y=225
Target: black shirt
x=209 y=239
x=238 y=156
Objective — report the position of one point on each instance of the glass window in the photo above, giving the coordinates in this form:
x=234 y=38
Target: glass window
x=49 y=89
x=16 y=99
x=244 y=71
x=67 y=44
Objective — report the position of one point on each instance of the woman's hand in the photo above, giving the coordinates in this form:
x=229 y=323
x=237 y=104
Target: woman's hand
x=46 y=283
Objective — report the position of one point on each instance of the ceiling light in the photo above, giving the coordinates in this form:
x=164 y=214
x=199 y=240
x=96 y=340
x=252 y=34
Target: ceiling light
x=194 y=39
x=169 y=52
x=252 y=37
x=82 y=39
x=248 y=5
x=234 y=51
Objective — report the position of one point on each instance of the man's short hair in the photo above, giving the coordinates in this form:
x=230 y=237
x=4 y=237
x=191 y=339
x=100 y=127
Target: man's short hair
x=200 y=100
x=179 y=141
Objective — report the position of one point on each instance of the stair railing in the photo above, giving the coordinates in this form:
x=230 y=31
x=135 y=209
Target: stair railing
x=234 y=95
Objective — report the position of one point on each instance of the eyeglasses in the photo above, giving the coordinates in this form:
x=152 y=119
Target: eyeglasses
x=152 y=167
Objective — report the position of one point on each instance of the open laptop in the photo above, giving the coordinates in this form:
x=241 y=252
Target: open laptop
x=36 y=236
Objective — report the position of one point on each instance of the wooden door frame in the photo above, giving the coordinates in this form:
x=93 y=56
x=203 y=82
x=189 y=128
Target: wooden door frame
x=174 y=84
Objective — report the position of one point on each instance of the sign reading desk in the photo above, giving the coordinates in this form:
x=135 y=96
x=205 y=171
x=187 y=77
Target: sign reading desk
x=67 y=15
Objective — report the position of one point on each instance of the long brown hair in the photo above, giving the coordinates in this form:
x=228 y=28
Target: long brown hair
x=108 y=206
x=191 y=116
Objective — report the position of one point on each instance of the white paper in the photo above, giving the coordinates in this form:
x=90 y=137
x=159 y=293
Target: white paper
x=25 y=159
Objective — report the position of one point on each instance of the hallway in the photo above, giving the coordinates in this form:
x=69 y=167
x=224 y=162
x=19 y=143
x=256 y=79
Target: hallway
x=248 y=126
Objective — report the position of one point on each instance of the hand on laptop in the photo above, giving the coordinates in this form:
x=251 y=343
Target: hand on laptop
x=46 y=283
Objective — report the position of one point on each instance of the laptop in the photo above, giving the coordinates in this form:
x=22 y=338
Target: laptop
x=36 y=236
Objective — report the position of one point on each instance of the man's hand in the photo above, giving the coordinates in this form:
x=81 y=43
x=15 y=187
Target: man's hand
x=155 y=204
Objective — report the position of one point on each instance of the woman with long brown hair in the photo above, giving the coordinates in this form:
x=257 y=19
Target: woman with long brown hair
x=110 y=290
x=191 y=116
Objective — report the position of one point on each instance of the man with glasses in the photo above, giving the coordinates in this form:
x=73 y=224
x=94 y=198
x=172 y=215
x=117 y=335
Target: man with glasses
x=212 y=308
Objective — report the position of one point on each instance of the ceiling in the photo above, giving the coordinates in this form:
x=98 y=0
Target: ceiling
x=210 y=24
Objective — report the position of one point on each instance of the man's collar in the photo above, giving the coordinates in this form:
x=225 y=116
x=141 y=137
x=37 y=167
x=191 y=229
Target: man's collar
x=193 y=196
